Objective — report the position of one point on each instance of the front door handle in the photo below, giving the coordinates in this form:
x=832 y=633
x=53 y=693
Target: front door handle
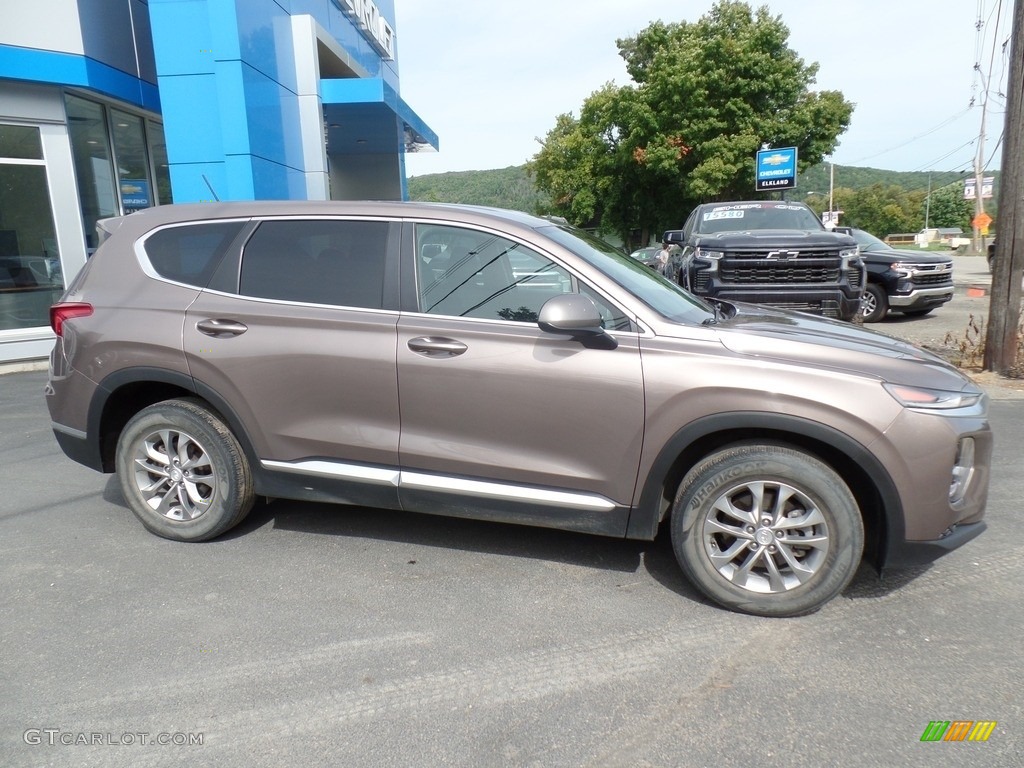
x=437 y=346
x=221 y=329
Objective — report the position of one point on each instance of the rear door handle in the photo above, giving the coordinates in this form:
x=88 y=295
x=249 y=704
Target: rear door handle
x=437 y=346
x=221 y=329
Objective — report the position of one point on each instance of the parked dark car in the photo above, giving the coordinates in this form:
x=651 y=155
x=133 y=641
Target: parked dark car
x=647 y=256
x=768 y=252
x=911 y=282
x=481 y=363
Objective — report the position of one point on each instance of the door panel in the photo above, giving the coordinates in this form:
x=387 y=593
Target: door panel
x=308 y=381
x=521 y=406
x=486 y=394
x=305 y=350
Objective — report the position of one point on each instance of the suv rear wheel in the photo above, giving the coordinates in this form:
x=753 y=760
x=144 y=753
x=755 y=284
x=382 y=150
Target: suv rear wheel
x=182 y=472
x=767 y=530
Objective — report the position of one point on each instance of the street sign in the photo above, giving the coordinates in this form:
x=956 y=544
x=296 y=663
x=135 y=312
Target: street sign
x=981 y=221
x=775 y=169
x=987 y=183
x=830 y=218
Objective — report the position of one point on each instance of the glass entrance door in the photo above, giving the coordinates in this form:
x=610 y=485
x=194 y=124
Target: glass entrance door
x=30 y=266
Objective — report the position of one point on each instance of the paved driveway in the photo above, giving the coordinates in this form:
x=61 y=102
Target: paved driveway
x=318 y=635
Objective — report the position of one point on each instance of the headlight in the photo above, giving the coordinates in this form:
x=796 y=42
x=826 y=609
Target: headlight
x=899 y=266
x=705 y=253
x=921 y=398
x=849 y=256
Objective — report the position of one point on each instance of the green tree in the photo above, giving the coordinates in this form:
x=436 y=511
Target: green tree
x=705 y=97
x=949 y=209
x=881 y=209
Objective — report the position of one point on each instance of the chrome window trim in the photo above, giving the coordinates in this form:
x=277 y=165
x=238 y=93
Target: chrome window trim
x=288 y=302
x=139 y=246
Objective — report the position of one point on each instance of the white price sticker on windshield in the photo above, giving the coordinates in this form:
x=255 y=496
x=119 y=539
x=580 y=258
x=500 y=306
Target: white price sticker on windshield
x=723 y=215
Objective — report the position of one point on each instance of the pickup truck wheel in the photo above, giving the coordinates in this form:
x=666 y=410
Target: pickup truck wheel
x=182 y=472
x=767 y=530
x=874 y=304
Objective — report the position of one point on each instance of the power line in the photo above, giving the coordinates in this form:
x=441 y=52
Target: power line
x=930 y=131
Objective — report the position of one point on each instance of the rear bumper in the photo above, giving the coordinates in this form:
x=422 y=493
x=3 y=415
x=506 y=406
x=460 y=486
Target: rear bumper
x=78 y=447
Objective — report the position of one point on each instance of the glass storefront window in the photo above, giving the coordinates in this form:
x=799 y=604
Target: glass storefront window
x=132 y=161
x=158 y=147
x=30 y=272
x=20 y=142
x=103 y=137
x=90 y=145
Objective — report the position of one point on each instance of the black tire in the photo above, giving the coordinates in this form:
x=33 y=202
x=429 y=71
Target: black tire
x=917 y=312
x=817 y=505
x=206 y=487
x=874 y=305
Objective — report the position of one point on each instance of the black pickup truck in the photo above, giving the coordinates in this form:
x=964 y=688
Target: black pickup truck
x=912 y=283
x=768 y=252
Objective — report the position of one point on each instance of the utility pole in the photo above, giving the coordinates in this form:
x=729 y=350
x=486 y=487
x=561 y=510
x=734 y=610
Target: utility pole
x=928 y=201
x=1002 y=338
x=979 y=159
x=831 y=189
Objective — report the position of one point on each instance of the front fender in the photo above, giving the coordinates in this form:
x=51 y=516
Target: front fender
x=697 y=439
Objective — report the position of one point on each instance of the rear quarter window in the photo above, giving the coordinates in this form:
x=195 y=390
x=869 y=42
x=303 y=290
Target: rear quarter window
x=190 y=253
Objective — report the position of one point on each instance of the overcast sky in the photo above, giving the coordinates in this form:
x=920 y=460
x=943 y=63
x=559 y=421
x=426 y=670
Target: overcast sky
x=490 y=77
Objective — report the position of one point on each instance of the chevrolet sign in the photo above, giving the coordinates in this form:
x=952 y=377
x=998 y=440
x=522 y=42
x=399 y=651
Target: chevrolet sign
x=775 y=169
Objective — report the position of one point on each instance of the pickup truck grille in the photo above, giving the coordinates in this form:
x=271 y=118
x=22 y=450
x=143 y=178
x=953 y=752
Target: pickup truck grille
x=805 y=268
x=931 y=275
x=923 y=278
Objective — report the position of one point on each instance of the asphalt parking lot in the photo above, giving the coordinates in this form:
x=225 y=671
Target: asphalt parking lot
x=318 y=635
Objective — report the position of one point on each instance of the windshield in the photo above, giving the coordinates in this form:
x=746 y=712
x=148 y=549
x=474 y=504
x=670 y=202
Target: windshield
x=663 y=296
x=869 y=241
x=742 y=217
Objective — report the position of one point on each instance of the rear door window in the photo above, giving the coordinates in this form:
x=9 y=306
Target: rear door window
x=190 y=253
x=336 y=262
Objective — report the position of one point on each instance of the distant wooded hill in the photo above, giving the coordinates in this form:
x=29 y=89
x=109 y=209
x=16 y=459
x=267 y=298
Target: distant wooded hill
x=512 y=188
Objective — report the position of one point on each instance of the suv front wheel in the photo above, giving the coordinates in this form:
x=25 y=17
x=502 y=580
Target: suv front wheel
x=182 y=472
x=767 y=530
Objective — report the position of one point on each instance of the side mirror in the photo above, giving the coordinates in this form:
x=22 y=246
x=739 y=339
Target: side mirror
x=578 y=316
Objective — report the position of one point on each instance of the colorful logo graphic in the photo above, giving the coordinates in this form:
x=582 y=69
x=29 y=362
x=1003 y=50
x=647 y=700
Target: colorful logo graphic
x=958 y=730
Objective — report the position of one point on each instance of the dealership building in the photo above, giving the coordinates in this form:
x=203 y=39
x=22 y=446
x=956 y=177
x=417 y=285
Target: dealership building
x=110 y=106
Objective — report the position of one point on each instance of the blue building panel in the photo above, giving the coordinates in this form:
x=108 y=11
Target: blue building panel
x=265 y=40
x=183 y=40
x=58 y=68
x=193 y=130
x=272 y=119
x=272 y=181
x=249 y=121
x=200 y=182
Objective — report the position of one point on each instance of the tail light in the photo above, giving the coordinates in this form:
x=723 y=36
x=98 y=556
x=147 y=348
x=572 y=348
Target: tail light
x=61 y=313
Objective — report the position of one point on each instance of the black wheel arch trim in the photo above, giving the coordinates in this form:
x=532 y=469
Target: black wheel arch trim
x=142 y=375
x=648 y=514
